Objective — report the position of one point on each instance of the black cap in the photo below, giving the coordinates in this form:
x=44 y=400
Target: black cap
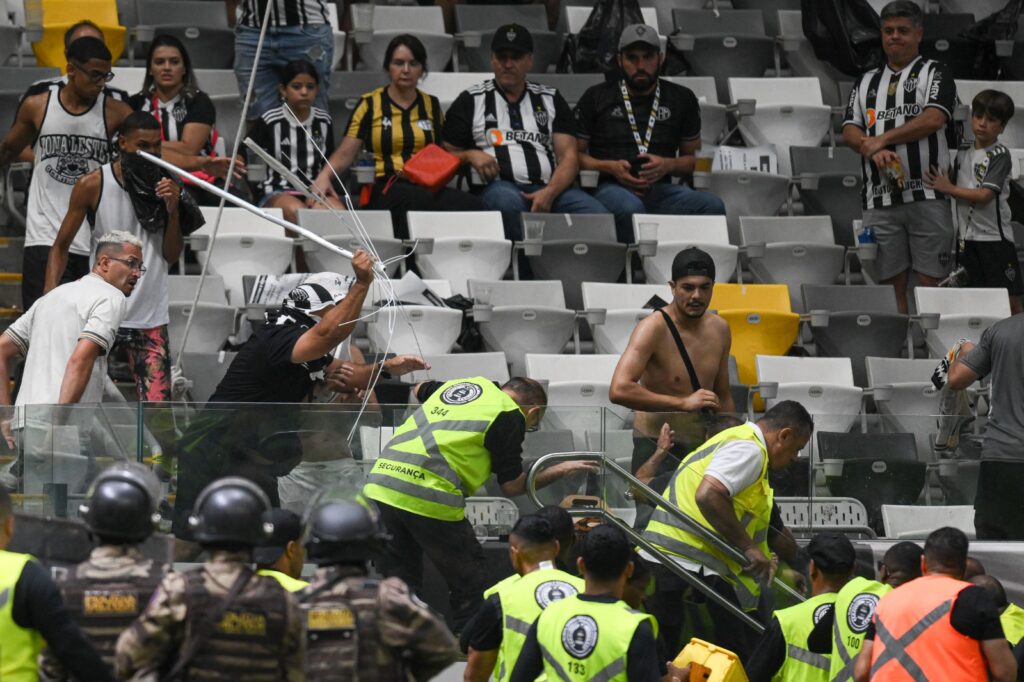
x=832 y=553
x=692 y=261
x=287 y=528
x=512 y=37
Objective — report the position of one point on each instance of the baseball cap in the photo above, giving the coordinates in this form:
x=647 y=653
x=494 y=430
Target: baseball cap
x=639 y=33
x=833 y=553
x=692 y=261
x=287 y=528
x=318 y=291
x=512 y=37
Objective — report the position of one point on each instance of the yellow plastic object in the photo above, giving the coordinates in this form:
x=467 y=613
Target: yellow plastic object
x=764 y=297
x=59 y=15
x=709 y=663
x=759 y=332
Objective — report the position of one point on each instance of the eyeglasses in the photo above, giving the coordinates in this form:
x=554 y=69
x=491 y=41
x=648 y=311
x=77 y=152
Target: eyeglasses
x=131 y=263
x=95 y=76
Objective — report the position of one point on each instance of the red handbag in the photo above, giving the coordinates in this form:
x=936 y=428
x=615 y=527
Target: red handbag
x=432 y=167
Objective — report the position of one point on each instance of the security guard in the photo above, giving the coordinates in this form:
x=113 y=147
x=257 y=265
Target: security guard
x=197 y=622
x=783 y=653
x=283 y=556
x=495 y=636
x=723 y=485
x=106 y=592
x=855 y=604
x=937 y=627
x=464 y=430
x=356 y=627
x=1011 y=616
x=594 y=635
x=31 y=612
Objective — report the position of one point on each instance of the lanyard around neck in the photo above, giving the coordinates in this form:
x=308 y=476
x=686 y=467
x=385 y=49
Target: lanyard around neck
x=642 y=145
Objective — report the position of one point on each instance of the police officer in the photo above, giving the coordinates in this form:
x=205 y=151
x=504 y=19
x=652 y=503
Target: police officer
x=197 y=622
x=106 y=592
x=594 y=635
x=494 y=637
x=723 y=485
x=282 y=556
x=783 y=653
x=32 y=612
x=937 y=627
x=464 y=430
x=356 y=627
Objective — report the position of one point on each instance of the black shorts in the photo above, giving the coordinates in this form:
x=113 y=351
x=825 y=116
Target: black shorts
x=992 y=264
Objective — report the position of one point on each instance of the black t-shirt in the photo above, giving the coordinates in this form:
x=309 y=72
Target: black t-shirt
x=645 y=661
x=769 y=656
x=601 y=119
x=483 y=632
x=974 y=615
x=263 y=371
x=504 y=438
x=177 y=113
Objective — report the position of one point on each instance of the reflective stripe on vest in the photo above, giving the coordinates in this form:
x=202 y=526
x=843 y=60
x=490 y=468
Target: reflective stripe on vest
x=437 y=457
x=753 y=506
x=286 y=581
x=1012 y=620
x=796 y=622
x=854 y=609
x=19 y=647
x=895 y=648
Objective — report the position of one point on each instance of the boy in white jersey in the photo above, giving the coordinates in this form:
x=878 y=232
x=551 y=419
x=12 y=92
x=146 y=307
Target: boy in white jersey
x=101 y=198
x=69 y=127
x=982 y=174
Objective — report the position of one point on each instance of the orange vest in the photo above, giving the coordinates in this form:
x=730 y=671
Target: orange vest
x=915 y=640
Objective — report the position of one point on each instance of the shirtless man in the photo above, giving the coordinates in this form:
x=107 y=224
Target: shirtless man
x=652 y=379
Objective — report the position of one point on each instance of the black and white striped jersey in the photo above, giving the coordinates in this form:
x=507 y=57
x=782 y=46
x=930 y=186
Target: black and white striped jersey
x=284 y=12
x=884 y=99
x=282 y=137
x=518 y=134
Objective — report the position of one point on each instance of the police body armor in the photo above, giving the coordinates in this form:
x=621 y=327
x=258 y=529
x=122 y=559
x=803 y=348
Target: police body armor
x=342 y=624
x=103 y=607
x=246 y=644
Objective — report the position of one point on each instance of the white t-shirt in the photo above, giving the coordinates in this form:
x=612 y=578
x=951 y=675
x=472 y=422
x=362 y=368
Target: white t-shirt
x=88 y=308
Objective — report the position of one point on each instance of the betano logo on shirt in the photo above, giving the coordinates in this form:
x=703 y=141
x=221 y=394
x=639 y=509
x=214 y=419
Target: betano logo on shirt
x=905 y=110
x=499 y=138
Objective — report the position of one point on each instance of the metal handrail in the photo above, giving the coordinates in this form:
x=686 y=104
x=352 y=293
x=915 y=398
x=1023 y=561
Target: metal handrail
x=690 y=525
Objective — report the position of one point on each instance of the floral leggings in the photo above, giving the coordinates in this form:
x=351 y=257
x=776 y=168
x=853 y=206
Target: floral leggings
x=149 y=360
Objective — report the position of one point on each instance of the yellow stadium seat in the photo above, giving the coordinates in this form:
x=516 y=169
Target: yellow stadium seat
x=59 y=15
x=711 y=663
x=761 y=321
x=764 y=297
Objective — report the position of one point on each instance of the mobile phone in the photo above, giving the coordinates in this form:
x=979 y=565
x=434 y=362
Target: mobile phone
x=634 y=167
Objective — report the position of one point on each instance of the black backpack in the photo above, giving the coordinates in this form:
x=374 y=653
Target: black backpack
x=594 y=48
x=844 y=33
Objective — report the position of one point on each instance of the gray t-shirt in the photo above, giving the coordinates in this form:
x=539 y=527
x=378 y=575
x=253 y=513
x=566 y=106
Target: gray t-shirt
x=1001 y=354
x=990 y=168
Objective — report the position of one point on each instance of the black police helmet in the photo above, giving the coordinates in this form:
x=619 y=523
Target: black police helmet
x=229 y=511
x=343 y=532
x=121 y=503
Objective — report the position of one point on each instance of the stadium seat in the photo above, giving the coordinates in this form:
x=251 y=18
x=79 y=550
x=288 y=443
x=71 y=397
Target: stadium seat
x=963 y=313
x=524 y=317
x=570 y=85
x=801 y=58
x=916 y=522
x=678 y=232
x=447 y=86
x=761 y=322
x=468 y=245
x=201 y=26
x=389 y=21
x=419 y=329
x=205 y=371
x=340 y=46
x=829 y=181
x=823 y=385
x=771 y=9
x=217 y=81
x=129 y=78
x=18 y=78
x=577 y=391
x=574 y=18
x=59 y=15
x=908 y=402
x=944 y=41
x=229 y=118
x=788 y=111
x=876 y=468
x=796 y=249
x=183 y=288
x=713 y=121
x=624 y=305
x=346 y=90
x=11 y=251
x=805 y=516
x=858 y=322
x=339 y=230
x=745 y=193
x=476 y=25
x=10 y=37
x=575 y=249
x=723 y=43
x=1013 y=135
x=448 y=366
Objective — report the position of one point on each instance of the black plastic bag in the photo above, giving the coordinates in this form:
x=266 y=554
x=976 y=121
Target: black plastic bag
x=1001 y=25
x=470 y=339
x=594 y=48
x=844 y=33
x=140 y=179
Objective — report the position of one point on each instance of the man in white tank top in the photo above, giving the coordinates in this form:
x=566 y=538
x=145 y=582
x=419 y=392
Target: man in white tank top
x=100 y=196
x=69 y=126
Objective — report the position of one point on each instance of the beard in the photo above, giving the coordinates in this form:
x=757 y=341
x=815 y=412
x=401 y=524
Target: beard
x=641 y=80
x=694 y=313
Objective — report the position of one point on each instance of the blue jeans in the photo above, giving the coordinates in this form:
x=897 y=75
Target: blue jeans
x=663 y=198
x=505 y=196
x=313 y=43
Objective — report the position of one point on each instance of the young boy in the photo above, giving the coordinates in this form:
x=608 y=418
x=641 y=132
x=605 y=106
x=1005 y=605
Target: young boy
x=985 y=245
